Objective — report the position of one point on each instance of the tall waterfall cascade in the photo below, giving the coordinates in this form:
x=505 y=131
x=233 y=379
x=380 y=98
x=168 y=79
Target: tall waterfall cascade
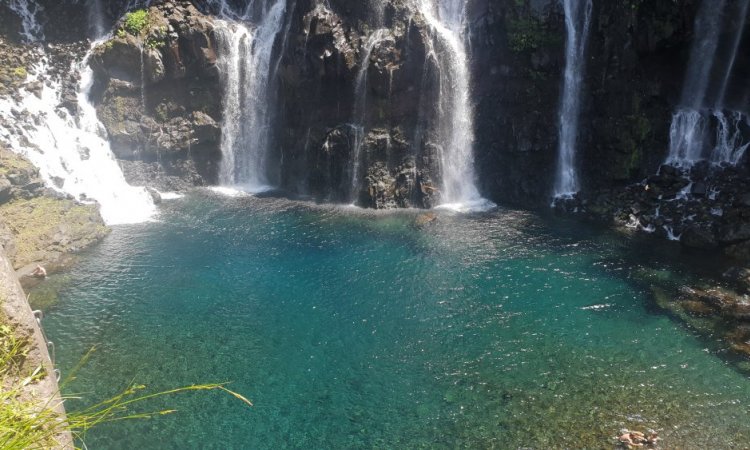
x=72 y=153
x=447 y=22
x=577 y=24
x=246 y=41
x=706 y=125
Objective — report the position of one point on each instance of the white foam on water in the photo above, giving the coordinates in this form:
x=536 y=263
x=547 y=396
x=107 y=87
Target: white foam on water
x=474 y=206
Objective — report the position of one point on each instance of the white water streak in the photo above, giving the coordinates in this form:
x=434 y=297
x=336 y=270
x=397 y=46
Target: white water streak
x=578 y=23
x=360 y=106
x=702 y=54
x=743 y=9
x=687 y=135
x=73 y=155
x=730 y=146
x=447 y=21
x=245 y=60
x=27 y=10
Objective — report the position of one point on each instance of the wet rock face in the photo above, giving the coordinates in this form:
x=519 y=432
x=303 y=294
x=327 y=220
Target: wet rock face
x=350 y=105
x=158 y=95
x=518 y=51
x=392 y=177
x=705 y=207
x=519 y=58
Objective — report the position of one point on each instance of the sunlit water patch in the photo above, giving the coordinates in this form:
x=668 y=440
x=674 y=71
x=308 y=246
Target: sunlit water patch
x=355 y=329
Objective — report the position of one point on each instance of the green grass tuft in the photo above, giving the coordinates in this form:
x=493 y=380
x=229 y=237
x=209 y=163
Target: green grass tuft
x=27 y=424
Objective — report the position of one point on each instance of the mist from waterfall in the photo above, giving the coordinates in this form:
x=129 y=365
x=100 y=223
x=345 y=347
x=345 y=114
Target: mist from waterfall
x=246 y=42
x=455 y=128
x=72 y=153
x=705 y=126
x=577 y=24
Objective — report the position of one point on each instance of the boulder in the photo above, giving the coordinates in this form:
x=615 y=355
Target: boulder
x=5 y=189
x=205 y=130
x=739 y=251
x=739 y=276
x=735 y=232
x=699 y=237
x=120 y=58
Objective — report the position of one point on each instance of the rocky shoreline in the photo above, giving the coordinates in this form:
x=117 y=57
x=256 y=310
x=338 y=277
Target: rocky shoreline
x=42 y=389
x=39 y=226
x=705 y=210
x=704 y=207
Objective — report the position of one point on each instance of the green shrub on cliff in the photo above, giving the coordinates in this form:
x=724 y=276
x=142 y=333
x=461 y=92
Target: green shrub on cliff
x=136 y=21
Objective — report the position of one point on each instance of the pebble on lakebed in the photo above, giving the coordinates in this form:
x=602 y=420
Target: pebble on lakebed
x=636 y=439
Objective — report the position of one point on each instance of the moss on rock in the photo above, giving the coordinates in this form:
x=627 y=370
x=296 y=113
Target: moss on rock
x=11 y=163
x=46 y=228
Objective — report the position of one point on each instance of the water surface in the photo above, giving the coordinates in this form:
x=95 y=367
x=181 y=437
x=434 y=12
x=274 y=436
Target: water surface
x=353 y=329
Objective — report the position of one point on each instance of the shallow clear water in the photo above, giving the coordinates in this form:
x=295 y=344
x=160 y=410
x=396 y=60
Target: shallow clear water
x=351 y=329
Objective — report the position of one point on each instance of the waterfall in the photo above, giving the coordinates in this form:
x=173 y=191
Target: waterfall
x=27 y=10
x=577 y=24
x=446 y=19
x=729 y=143
x=97 y=28
x=360 y=106
x=743 y=9
x=686 y=136
x=72 y=153
x=703 y=108
x=246 y=44
x=702 y=54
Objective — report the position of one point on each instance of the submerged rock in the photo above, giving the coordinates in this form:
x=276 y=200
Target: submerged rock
x=425 y=219
x=699 y=237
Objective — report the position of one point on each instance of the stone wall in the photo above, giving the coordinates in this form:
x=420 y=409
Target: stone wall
x=16 y=313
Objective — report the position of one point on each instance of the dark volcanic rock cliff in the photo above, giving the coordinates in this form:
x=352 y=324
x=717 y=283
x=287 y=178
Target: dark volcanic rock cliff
x=637 y=53
x=158 y=95
x=357 y=79
x=352 y=88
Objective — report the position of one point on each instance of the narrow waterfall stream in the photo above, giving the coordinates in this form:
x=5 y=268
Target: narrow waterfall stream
x=27 y=10
x=97 y=27
x=246 y=43
x=360 y=107
x=577 y=24
x=447 y=20
x=705 y=126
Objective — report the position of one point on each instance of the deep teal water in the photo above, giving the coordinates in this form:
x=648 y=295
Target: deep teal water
x=351 y=329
